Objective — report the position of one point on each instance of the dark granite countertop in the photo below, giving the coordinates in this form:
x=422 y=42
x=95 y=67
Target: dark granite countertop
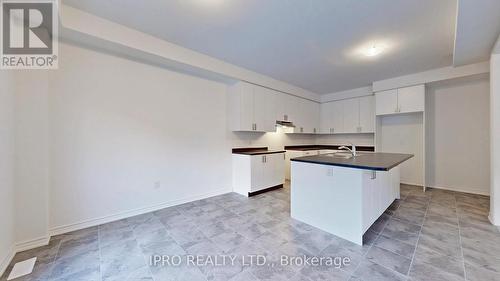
x=255 y=151
x=322 y=146
x=365 y=161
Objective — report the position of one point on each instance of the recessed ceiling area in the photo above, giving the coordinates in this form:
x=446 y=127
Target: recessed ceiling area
x=316 y=45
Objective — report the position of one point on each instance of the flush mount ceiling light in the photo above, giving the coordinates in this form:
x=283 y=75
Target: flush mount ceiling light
x=373 y=51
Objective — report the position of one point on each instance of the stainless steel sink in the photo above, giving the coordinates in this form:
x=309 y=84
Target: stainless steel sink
x=344 y=155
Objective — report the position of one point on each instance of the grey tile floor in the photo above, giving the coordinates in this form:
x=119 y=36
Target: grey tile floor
x=437 y=235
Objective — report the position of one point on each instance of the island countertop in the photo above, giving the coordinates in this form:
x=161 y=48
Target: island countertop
x=367 y=161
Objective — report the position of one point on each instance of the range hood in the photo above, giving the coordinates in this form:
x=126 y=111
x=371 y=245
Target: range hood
x=285 y=124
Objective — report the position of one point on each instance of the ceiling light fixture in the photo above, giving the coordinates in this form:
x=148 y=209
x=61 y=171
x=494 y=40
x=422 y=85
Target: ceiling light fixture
x=374 y=50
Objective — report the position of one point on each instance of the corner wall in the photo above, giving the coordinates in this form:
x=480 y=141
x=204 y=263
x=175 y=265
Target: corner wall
x=457 y=132
x=31 y=158
x=6 y=169
x=495 y=138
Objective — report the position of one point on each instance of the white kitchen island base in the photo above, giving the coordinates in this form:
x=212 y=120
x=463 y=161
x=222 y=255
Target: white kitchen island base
x=339 y=200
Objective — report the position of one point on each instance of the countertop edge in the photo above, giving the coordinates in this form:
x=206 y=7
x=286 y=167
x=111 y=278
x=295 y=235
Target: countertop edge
x=360 y=167
x=260 y=152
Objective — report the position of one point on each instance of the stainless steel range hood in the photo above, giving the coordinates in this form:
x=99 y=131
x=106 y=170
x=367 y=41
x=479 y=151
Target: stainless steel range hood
x=285 y=124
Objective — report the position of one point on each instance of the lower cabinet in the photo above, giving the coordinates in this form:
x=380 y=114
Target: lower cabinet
x=254 y=173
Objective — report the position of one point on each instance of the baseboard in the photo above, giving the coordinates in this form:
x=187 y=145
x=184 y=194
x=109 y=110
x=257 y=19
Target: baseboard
x=490 y=218
x=460 y=190
x=31 y=244
x=5 y=261
x=20 y=247
x=412 y=184
x=110 y=218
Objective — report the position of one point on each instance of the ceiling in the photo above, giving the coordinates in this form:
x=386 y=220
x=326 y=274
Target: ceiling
x=311 y=44
x=478 y=27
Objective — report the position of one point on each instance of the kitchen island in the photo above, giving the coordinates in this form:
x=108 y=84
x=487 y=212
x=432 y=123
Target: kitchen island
x=344 y=194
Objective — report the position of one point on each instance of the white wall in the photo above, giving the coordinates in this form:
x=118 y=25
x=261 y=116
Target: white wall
x=495 y=138
x=357 y=139
x=31 y=157
x=458 y=134
x=272 y=140
x=6 y=169
x=119 y=126
x=404 y=133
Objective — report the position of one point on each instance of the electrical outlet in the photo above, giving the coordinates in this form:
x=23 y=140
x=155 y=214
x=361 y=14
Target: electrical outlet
x=157 y=185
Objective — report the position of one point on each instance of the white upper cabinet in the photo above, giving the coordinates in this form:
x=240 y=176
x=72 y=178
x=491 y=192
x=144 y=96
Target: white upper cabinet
x=307 y=121
x=366 y=114
x=326 y=117
x=251 y=108
x=264 y=109
x=351 y=116
x=411 y=99
x=386 y=102
x=402 y=100
x=337 y=117
x=348 y=116
x=255 y=108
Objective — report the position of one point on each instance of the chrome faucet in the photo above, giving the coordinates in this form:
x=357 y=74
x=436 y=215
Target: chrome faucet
x=351 y=150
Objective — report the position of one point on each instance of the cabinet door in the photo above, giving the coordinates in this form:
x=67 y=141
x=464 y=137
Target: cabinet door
x=326 y=117
x=351 y=115
x=280 y=106
x=411 y=99
x=290 y=111
x=310 y=115
x=314 y=117
x=298 y=114
x=274 y=169
x=338 y=117
x=386 y=102
x=264 y=109
x=257 y=173
x=367 y=114
x=246 y=106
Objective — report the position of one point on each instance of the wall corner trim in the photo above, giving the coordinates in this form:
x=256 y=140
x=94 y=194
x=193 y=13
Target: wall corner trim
x=5 y=261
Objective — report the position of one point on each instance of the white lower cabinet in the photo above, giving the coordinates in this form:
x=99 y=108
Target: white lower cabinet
x=253 y=173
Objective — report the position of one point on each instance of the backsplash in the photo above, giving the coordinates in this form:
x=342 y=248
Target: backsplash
x=279 y=139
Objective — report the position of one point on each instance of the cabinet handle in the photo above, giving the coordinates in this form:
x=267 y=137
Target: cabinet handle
x=374 y=175
x=263 y=159
x=255 y=126
x=301 y=129
x=314 y=130
x=285 y=117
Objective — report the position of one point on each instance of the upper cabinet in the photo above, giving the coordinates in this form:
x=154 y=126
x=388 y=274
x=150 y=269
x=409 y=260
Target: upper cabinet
x=348 y=116
x=255 y=108
x=251 y=108
x=366 y=114
x=306 y=119
x=402 y=100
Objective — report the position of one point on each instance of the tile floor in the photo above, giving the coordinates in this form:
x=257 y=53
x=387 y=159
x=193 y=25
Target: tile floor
x=437 y=235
